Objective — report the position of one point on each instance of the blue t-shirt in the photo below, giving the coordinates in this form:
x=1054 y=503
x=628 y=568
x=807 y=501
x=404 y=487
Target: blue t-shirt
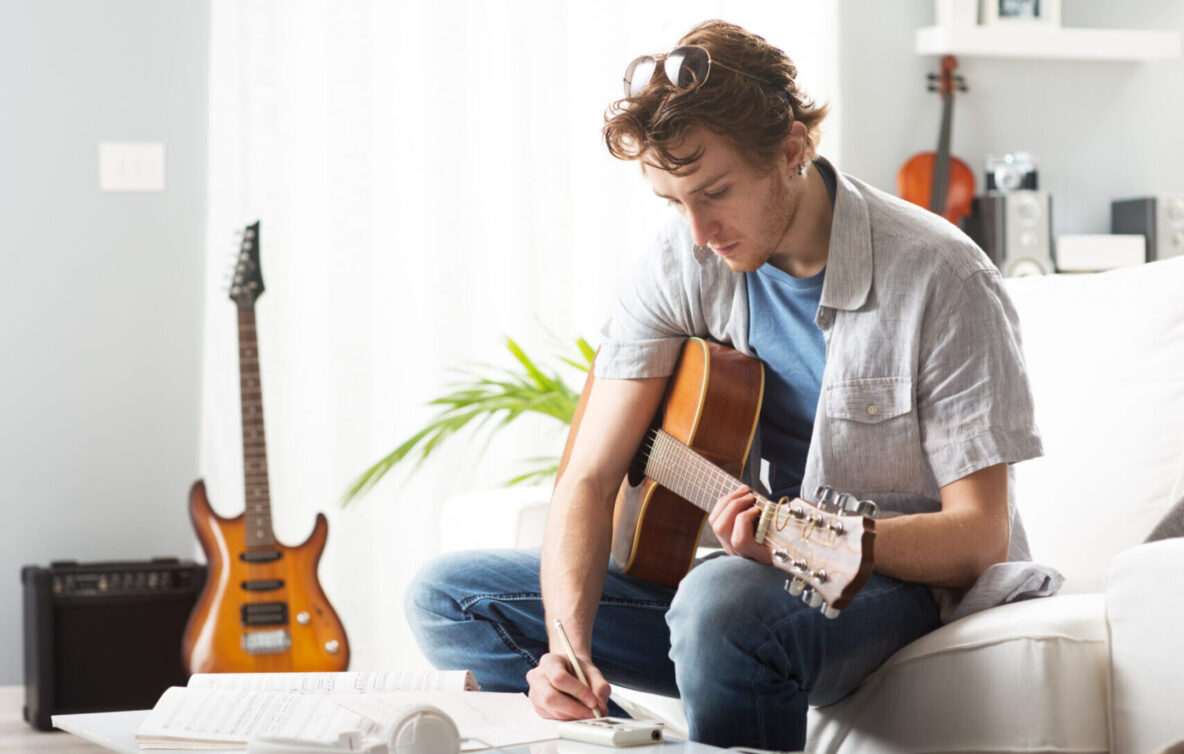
x=782 y=332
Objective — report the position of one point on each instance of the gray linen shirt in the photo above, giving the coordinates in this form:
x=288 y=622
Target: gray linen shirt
x=924 y=380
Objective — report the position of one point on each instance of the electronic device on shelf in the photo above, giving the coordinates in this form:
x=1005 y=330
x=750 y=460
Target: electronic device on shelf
x=1015 y=230
x=1160 y=219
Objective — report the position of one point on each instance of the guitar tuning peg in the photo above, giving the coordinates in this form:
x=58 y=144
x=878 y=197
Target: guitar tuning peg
x=866 y=508
x=830 y=613
x=811 y=597
x=795 y=586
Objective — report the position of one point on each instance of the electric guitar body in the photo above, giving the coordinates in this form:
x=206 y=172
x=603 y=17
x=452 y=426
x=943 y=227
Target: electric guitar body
x=262 y=608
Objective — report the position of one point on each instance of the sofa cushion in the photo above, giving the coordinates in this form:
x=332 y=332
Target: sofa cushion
x=1104 y=352
x=1144 y=616
x=1029 y=676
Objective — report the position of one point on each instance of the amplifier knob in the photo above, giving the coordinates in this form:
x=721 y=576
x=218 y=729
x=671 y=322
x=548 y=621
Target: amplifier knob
x=332 y=646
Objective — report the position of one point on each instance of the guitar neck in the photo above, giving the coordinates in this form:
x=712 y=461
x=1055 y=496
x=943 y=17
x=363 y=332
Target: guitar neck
x=259 y=531
x=941 y=162
x=688 y=474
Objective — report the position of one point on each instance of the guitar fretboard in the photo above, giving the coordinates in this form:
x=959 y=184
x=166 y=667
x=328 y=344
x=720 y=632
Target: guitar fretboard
x=257 y=521
x=688 y=474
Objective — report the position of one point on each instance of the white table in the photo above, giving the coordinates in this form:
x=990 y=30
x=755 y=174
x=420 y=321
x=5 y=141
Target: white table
x=115 y=731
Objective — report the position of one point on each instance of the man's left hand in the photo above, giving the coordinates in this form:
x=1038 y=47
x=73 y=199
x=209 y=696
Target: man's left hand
x=734 y=519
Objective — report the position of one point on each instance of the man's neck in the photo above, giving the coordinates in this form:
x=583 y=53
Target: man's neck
x=807 y=241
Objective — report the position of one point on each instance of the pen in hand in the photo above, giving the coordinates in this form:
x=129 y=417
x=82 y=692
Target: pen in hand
x=571 y=657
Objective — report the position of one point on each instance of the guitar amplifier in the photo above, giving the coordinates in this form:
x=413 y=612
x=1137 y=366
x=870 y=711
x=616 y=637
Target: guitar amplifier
x=100 y=637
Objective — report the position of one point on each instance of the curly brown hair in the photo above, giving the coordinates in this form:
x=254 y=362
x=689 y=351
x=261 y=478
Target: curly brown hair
x=754 y=109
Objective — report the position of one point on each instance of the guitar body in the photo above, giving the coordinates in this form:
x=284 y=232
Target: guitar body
x=214 y=637
x=712 y=404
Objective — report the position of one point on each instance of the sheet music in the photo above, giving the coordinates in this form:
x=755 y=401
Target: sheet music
x=226 y=718
x=340 y=683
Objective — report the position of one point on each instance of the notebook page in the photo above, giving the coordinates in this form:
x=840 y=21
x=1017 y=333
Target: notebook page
x=228 y=717
x=339 y=683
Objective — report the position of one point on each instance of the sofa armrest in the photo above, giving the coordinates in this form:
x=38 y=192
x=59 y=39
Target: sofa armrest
x=1145 y=619
x=506 y=517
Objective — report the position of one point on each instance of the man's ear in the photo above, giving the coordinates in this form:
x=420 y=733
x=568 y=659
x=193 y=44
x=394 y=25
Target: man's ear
x=797 y=144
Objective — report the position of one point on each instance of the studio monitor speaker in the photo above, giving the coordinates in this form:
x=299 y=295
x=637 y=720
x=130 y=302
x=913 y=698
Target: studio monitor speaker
x=1015 y=230
x=1160 y=219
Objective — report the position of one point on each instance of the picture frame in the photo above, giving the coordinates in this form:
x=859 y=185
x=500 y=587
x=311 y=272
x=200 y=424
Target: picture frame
x=1020 y=12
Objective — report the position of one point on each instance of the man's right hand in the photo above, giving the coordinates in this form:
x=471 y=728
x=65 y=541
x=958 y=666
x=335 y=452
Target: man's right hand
x=557 y=693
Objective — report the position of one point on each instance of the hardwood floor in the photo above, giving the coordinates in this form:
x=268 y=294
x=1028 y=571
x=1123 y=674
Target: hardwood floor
x=18 y=736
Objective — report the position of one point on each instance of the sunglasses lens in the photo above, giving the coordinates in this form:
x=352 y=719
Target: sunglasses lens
x=638 y=75
x=687 y=66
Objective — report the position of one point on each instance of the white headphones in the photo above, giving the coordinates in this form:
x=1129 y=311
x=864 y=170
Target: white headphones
x=419 y=729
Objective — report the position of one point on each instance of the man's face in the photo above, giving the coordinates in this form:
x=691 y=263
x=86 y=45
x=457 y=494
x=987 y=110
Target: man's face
x=737 y=210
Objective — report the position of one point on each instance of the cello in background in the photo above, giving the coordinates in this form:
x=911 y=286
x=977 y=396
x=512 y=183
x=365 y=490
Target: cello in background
x=262 y=609
x=937 y=180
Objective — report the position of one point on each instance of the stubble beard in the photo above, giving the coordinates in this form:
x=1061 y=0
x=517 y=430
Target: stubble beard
x=782 y=210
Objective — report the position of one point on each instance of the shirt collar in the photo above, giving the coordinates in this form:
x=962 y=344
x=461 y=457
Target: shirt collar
x=849 y=257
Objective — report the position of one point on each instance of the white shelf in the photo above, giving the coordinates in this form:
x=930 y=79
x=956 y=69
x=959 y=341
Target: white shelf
x=1048 y=42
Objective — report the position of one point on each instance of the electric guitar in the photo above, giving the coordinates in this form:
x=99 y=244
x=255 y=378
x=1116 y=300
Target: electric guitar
x=692 y=456
x=262 y=608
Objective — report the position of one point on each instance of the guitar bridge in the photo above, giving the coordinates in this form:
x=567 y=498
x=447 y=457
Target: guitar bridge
x=267 y=642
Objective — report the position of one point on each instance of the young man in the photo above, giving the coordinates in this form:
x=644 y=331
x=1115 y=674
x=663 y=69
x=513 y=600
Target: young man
x=893 y=371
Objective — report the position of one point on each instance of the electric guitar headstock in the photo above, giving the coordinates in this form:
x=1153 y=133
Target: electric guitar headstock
x=825 y=547
x=247 y=284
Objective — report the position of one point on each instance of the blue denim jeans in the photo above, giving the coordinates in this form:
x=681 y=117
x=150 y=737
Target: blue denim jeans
x=745 y=657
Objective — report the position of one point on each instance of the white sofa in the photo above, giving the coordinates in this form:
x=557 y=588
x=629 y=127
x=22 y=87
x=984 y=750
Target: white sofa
x=1098 y=668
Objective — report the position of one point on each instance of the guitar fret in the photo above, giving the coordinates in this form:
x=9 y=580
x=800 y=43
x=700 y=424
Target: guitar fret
x=688 y=474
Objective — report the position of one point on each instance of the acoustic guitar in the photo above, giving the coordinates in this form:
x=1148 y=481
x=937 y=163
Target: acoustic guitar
x=262 y=608
x=692 y=456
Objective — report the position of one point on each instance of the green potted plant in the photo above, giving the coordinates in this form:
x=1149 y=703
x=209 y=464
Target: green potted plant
x=488 y=398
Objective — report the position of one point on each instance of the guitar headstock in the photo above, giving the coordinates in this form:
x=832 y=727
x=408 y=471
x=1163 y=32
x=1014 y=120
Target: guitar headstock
x=247 y=284
x=826 y=547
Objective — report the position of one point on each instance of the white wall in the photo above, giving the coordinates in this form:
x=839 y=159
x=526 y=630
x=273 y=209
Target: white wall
x=100 y=293
x=1099 y=130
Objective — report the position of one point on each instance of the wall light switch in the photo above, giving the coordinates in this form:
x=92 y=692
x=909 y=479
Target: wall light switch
x=131 y=166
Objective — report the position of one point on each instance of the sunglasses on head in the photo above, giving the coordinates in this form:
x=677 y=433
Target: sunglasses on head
x=686 y=67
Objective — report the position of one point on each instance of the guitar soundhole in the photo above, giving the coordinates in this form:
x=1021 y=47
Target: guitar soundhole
x=265 y=614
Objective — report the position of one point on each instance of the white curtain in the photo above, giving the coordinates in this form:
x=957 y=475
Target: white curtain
x=429 y=177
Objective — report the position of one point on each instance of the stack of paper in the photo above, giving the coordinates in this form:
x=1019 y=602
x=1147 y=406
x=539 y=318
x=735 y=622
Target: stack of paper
x=224 y=711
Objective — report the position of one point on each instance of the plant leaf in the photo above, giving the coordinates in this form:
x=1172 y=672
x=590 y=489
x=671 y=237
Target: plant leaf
x=484 y=399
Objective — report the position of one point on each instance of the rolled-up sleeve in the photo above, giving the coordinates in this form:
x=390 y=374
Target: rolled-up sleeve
x=973 y=398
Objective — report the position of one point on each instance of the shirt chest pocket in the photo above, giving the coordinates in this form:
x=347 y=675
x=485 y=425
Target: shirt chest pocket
x=871 y=434
x=872 y=400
